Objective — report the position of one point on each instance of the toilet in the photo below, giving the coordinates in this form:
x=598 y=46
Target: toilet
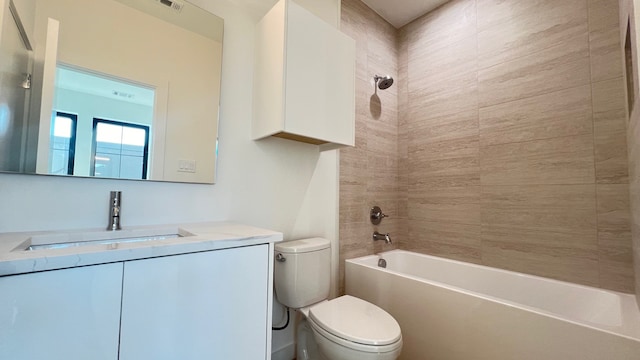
x=345 y=328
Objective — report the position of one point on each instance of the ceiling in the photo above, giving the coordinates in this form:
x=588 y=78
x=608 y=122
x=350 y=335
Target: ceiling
x=256 y=7
x=401 y=12
x=112 y=88
x=397 y=12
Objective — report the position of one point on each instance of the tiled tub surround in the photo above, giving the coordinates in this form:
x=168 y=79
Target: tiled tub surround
x=369 y=171
x=516 y=139
x=478 y=312
x=629 y=17
x=510 y=145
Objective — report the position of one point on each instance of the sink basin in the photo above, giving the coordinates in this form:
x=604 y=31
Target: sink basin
x=113 y=238
x=101 y=242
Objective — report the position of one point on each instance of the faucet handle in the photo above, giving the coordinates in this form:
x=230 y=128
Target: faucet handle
x=376 y=215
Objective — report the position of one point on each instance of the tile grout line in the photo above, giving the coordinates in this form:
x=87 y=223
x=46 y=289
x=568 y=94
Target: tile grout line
x=479 y=107
x=593 y=124
x=479 y=155
x=481 y=145
x=534 y=140
x=529 y=54
x=542 y=94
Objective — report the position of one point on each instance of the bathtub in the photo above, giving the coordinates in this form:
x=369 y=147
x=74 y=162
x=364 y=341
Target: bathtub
x=451 y=310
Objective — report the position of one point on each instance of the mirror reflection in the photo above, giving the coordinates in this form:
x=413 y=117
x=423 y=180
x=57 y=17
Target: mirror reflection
x=109 y=88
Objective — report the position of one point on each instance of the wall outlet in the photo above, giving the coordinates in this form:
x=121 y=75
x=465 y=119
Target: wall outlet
x=188 y=166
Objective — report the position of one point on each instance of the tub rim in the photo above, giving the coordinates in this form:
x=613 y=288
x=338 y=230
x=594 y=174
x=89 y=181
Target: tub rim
x=631 y=333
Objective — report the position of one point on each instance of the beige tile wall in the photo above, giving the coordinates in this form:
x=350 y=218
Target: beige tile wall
x=369 y=172
x=502 y=141
x=628 y=17
x=516 y=140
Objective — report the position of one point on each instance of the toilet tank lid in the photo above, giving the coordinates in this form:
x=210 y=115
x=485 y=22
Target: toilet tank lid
x=302 y=245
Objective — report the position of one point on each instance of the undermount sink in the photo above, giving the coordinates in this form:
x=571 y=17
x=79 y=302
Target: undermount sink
x=77 y=239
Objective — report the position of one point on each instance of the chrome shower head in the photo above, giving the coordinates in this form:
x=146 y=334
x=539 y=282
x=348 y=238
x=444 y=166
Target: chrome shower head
x=383 y=82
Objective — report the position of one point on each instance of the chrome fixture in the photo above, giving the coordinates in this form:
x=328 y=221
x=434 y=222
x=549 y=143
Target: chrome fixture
x=385 y=237
x=115 y=203
x=26 y=83
x=280 y=258
x=383 y=82
x=382 y=263
x=376 y=215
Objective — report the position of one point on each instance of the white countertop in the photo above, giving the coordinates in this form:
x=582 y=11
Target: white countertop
x=15 y=259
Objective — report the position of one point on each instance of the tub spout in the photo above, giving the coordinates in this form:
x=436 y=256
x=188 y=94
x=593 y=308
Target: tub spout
x=385 y=237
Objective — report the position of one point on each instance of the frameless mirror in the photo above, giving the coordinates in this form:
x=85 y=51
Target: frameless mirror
x=124 y=89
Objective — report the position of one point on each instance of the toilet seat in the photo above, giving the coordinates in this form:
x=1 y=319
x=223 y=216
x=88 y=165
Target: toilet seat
x=356 y=324
x=361 y=348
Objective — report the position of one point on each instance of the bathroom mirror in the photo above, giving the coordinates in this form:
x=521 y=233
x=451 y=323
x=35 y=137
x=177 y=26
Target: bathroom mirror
x=125 y=89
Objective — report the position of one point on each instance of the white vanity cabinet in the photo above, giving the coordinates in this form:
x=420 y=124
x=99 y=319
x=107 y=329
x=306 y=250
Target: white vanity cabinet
x=211 y=304
x=208 y=305
x=69 y=314
x=304 y=78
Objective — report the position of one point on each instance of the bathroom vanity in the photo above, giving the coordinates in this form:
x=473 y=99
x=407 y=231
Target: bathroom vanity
x=200 y=291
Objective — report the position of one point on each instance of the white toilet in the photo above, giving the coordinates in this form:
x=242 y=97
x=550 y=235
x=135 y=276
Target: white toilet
x=345 y=328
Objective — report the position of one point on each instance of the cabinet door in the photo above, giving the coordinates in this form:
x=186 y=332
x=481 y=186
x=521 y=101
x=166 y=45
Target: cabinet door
x=63 y=314
x=209 y=305
x=320 y=79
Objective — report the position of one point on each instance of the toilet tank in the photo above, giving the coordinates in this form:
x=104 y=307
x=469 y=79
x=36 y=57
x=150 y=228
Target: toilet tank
x=302 y=272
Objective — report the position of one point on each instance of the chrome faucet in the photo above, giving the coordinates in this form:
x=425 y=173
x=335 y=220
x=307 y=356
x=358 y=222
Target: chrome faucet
x=115 y=203
x=385 y=237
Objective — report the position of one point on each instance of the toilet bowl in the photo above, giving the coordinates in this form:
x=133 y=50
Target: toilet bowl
x=344 y=328
x=348 y=328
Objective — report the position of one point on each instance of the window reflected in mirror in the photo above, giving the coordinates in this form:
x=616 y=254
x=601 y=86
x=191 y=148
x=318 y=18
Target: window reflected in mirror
x=121 y=150
x=112 y=122
x=63 y=143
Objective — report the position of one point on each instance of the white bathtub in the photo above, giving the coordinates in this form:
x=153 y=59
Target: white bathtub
x=450 y=310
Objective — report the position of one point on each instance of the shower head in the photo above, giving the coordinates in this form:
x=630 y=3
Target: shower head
x=383 y=82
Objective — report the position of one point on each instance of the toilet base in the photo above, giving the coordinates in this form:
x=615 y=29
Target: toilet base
x=306 y=346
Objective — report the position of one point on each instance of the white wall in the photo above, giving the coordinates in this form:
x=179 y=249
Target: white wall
x=274 y=183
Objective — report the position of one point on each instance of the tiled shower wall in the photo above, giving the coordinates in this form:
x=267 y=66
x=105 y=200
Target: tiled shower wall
x=369 y=171
x=629 y=22
x=516 y=147
x=510 y=145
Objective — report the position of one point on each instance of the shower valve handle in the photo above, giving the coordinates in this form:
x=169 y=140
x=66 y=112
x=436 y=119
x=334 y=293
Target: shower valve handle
x=376 y=215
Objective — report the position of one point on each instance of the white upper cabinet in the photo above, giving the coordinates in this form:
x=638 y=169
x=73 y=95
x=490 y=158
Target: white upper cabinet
x=304 y=84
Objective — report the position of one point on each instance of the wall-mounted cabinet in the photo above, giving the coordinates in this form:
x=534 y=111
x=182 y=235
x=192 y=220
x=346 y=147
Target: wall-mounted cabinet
x=304 y=81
